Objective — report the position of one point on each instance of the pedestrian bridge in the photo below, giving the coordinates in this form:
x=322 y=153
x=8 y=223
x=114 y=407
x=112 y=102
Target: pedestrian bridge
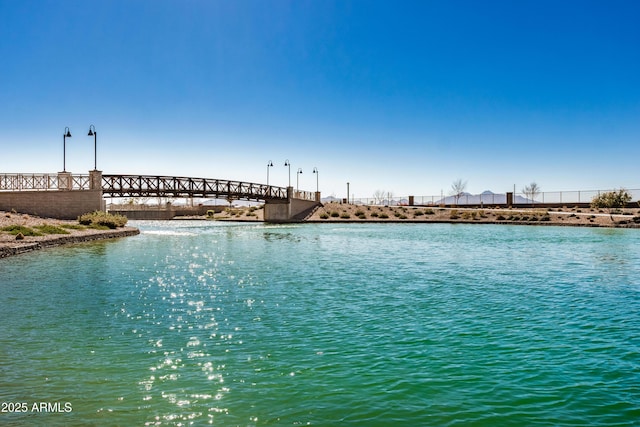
x=281 y=203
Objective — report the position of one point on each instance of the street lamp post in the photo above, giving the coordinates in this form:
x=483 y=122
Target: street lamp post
x=94 y=134
x=315 y=170
x=298 y=178
x=67 y=134
x=347 y=193
x=269 y=165
x=287 y=163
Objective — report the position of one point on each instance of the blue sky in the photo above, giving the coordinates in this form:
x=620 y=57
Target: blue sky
x=400 y=96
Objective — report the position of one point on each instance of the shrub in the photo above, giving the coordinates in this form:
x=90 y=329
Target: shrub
x=500 y=218
x=101 y=219
x=374 y=214
x=454 y=214
x=469 y=215
x=359 y=212
x=335 y=214
x=611 y=201
x=324 y=215
x=429 y=212
x=383 y=215
x=345 y=215
x=418 y=213
x=210 y=213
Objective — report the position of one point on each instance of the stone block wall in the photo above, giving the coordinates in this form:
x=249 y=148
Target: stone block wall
x=59 y=204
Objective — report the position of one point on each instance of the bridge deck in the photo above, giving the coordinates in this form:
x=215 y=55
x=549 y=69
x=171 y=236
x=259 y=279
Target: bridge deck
x=151 y=186
x=172 y=186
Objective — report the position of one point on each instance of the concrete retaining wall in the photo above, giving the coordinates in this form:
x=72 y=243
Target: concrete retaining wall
x=61 y=204
x=287 y=211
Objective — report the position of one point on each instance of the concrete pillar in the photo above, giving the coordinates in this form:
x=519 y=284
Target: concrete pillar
x=410 y=200
x=509 y=198
x=318 y=198
x=64 y=181
x=95 y=180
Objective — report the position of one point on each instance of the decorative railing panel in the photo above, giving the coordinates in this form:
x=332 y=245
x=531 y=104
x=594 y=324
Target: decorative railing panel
x=43 y=182
x=168 y=186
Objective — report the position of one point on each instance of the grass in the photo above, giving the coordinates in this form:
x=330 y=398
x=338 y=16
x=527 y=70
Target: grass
x=73 y=226
x=51 y=229
x=21 y=229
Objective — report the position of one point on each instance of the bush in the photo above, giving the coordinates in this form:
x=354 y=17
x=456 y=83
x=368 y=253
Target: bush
x=417 y=213
x=324 y=215
x=374 y=214
x=429 y=212
x=611 y=201
x=102 y=219
x=345 y=216
x=384 y=215
x=335 y=214
x=210 y=213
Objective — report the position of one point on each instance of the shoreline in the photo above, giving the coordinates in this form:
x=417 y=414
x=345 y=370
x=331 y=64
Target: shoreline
x=333 y=213
x=10 y=245
x=336 y=213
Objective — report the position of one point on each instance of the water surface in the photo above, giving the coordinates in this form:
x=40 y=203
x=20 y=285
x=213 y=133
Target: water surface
x=198 y=323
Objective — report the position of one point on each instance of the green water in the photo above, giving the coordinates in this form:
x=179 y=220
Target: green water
x=206 y=323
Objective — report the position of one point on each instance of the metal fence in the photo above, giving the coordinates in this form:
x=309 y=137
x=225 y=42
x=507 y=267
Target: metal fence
x=488 y=199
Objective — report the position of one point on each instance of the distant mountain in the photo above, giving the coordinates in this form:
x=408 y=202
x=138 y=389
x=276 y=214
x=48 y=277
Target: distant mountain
x=486 y=197
x=330 y=199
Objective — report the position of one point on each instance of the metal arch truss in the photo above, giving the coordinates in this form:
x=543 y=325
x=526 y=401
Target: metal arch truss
x=170 y=186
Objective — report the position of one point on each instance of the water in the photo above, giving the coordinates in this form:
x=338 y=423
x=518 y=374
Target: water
x=208 y=323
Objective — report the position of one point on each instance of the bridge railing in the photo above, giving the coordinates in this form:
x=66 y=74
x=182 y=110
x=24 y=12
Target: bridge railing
x=43 y=182
x=168 y=186
x=305 y=195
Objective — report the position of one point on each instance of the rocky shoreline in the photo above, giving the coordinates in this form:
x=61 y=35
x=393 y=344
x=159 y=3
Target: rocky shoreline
x=11 y=245
x=350 y=213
